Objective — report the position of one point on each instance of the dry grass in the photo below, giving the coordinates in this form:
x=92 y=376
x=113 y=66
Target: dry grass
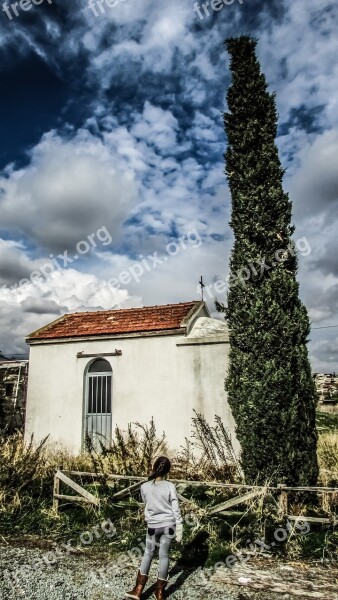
x=131 y=452
x=26 y=479
x=209 y=456
x=25 y=467
x=27 y=471
x=21 y=468
x=328 y=458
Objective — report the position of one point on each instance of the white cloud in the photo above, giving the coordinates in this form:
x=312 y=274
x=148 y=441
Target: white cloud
x=299 y=57
x=157 y=127
x=14 y=262
x=69 y=190
x=314 y=186
x=33 y=305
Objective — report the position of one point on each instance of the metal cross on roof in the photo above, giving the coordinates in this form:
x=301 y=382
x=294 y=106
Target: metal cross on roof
x=202 y=286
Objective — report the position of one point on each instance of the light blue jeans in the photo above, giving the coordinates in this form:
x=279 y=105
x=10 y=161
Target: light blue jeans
x=161 y=537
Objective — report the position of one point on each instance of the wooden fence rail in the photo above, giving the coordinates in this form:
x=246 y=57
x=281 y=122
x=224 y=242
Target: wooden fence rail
x=214 y=484
x=252 y=492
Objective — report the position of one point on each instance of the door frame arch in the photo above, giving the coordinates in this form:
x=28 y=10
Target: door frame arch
x=86 y=379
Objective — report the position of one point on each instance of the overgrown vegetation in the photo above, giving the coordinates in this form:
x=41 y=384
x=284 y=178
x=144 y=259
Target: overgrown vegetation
x=130 y=453
x=26 y=480
x=218 y=457
x=327 y=421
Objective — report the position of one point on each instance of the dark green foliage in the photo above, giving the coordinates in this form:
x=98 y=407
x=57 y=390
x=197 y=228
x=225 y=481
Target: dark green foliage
x=327 y=422
x=270 y=387
x=2 y=417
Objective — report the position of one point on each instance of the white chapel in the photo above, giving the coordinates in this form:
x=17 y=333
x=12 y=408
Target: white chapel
x=91 y=371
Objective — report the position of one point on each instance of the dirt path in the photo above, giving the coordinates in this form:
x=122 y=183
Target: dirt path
x=288 y=580
x=25 y=574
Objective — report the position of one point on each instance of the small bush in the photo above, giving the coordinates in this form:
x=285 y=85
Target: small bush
x=130 y=453
x=209 y=457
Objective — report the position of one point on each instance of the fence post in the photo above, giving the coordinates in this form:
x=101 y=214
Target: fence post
x=283 y=500
x=56 y=492
x=326 y=502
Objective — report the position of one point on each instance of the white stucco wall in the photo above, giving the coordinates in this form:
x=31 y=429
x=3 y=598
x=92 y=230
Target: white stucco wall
x=163 y=377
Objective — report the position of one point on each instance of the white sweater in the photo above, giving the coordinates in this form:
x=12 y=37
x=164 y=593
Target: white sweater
x=161 y=503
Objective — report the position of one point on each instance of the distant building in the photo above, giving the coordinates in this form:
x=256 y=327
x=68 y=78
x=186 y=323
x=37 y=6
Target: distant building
x=13 y=387
x=327 y=387
x=90 y=372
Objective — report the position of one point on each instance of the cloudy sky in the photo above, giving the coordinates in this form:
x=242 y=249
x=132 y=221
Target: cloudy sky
x=112 y=190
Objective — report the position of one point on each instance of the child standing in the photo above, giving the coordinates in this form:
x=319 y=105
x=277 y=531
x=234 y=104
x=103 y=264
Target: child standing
x=164 y=523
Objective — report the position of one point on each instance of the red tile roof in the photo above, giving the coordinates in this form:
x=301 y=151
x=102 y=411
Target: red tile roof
x=129 y=320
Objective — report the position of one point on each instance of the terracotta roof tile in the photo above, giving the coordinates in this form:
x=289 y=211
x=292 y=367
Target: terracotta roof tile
x=130 y=320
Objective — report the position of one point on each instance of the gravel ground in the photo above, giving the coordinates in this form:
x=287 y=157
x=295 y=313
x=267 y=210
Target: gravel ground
x=23 y=574
x=86 y=577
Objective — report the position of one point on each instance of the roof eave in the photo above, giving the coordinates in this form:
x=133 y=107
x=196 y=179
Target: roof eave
x=105 y=336
x=37 y=331
x=186 y=322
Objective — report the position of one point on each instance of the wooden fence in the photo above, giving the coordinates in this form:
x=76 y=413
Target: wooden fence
x=251 y=493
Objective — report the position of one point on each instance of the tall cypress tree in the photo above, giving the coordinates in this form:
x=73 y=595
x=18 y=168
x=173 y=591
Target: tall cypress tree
x=270 y=385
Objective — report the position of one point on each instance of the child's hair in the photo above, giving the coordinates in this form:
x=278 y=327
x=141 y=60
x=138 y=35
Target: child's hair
x=160 y=468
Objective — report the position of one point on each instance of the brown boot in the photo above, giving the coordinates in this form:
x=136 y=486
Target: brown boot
x=159 y=588
x=136 y=592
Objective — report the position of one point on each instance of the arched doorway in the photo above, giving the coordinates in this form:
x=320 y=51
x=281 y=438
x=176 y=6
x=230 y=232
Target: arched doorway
x=98 y=403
